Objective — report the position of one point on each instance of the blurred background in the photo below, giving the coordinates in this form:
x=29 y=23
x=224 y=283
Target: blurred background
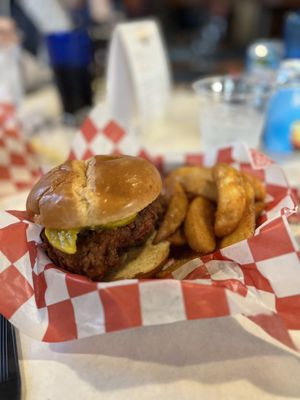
x=202 y=37
x=226 y=71
x=54 y=54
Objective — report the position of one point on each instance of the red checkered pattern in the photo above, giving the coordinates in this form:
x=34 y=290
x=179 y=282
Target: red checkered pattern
x=18 y=168
x=99 y=134
x=258 y=278
x=295 y=218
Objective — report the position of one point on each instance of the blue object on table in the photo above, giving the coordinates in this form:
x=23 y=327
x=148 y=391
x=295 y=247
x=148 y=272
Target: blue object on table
x=264 y=56
x=282 y=133
x=70 y=55
x=282 y=126
x=72 y=48
x=292 y=35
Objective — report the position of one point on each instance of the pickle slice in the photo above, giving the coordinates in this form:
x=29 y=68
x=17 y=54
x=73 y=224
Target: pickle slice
x=120 y=222
x=63 y=239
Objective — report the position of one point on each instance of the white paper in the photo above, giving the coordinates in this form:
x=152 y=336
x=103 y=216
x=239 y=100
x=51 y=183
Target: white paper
x=138 y=78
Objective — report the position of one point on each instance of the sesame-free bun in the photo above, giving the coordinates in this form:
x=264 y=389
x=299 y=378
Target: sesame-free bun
x=98 y=191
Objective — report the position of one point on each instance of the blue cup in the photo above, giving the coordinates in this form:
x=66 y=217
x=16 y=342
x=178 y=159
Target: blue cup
x=281 y=133
x=70 y=55
x=292 y=35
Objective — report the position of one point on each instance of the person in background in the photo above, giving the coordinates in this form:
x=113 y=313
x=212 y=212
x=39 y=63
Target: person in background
x=85 y=12
x=31 y=35
x=20 y=44
x=11 y=87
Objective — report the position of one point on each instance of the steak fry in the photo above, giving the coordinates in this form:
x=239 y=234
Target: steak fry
x=258 y=187
x=196 y=181
x=177 y=238
x=174 y=215
x=231 y=199
x=259 y=208
x=199 y=225
x=246 y=226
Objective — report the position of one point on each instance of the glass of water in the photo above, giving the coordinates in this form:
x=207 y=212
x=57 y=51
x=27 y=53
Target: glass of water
x=232 y=108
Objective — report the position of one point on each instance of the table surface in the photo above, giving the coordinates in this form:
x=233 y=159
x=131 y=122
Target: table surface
x=227 y=358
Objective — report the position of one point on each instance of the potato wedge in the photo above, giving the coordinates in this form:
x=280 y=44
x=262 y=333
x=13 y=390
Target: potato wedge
x=199 y=187
x=231 y=199
x=165 y=273
x=258 y=186
x=142 y=262
x=177 y=238
x=174 y=215
x=259 y=208
x=199 y=225
x=196 y=181
x=246 y=226
x=204 y=173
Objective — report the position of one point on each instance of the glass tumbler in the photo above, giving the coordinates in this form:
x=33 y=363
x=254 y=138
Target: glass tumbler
x=232 y=108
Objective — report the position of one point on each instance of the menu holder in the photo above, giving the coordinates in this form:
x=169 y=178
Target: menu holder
x=138 y=77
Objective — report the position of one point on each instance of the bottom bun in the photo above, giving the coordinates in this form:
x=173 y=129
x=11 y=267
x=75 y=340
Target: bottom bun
x=141 y=262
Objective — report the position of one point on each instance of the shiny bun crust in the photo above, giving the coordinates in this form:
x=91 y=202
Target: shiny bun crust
x=98 y=191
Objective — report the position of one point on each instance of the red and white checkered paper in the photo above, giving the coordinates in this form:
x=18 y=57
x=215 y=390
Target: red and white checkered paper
x=18 y=166
x=258 y=278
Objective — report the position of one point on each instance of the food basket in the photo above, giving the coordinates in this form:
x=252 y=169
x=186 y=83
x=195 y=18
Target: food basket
x=258 y=278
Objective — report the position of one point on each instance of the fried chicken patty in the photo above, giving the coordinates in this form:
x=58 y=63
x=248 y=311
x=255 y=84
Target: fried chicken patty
x=100 y=250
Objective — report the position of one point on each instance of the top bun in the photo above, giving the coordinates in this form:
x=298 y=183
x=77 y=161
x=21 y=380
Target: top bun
x=98 y=191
